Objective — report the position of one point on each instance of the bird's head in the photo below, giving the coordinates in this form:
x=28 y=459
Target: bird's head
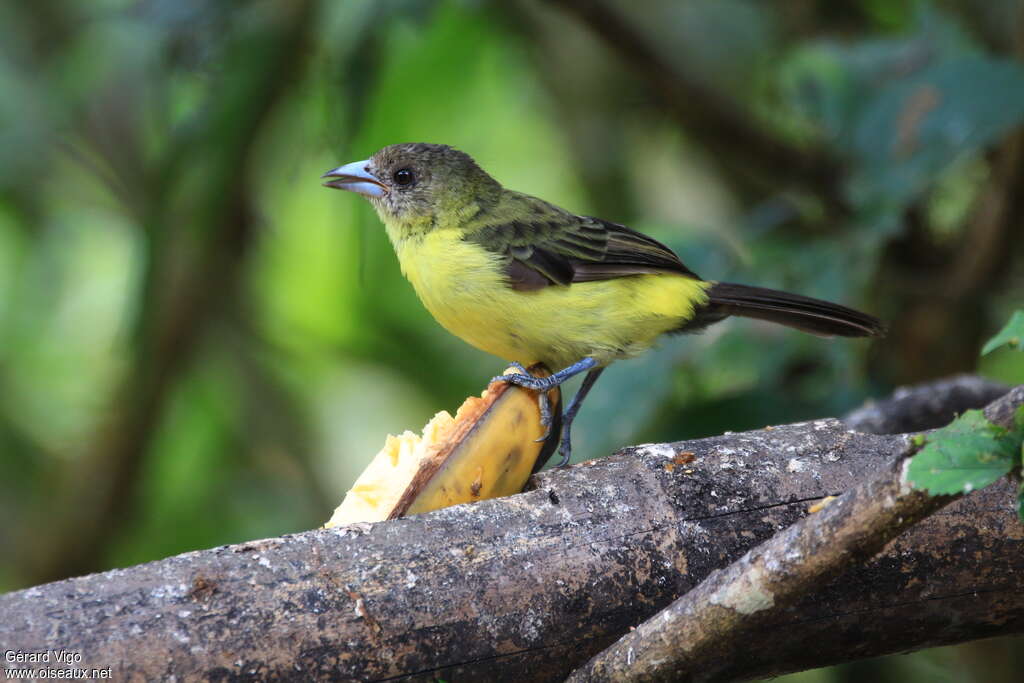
x=417 y=186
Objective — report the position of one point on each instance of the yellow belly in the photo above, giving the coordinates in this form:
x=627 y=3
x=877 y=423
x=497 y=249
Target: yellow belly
x=462 y=285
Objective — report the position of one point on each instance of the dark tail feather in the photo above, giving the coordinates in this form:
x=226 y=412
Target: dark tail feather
x=804 y=313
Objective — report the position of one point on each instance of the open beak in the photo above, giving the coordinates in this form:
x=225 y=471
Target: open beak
x=355 y=177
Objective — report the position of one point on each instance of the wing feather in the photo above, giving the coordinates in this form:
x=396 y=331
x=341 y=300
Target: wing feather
x=554 y=247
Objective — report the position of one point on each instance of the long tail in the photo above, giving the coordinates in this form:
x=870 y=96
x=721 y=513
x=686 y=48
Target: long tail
x=804 y=313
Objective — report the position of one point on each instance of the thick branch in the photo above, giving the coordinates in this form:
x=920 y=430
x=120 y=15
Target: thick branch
x=924 y=406
x=705 y=635
x=532 y=585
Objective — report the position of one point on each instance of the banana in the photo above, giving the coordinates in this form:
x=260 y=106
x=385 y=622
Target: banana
x=488 y=450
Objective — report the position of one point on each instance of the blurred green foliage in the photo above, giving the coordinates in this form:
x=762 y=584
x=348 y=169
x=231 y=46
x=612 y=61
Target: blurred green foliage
x=201 y=345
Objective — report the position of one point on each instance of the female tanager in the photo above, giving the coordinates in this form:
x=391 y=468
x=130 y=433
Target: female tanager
x=527 y=281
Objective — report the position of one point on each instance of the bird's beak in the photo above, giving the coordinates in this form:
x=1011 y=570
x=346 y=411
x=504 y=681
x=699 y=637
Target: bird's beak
x=355 y=177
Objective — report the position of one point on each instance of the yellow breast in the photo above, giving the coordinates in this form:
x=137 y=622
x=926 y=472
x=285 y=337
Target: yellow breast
x=464 y=288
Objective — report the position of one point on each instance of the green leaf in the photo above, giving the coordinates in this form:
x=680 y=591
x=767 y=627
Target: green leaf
x=967 y=454
x=1011 y=335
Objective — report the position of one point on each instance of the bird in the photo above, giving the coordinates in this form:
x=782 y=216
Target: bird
x=528 y=281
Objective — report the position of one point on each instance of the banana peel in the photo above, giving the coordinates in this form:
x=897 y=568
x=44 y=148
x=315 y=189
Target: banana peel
x=488 y=450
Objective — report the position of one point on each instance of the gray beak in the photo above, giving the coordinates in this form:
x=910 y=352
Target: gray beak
x=355 y=177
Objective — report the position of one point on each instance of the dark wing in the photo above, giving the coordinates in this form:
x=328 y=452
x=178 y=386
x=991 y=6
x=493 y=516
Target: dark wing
x=551 y=248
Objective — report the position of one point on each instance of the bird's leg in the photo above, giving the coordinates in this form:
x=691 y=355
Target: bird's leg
x=528 y=381
x=542 y=385
x=543 y=402
x=570 y=414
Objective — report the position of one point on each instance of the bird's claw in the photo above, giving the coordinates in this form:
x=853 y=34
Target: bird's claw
x=544 y=403
x=520 y=367
x=542 y=385
x=565 y=448
x=526 y=380
x=515 y=378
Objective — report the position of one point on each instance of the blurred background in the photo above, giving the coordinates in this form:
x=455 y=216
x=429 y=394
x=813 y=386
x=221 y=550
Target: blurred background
x=201 y=345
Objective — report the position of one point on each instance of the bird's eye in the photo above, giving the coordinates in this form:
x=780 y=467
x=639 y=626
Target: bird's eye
x=404 y=177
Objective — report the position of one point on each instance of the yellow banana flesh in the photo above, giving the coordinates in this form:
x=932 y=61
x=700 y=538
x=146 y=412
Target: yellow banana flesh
x=487 y=450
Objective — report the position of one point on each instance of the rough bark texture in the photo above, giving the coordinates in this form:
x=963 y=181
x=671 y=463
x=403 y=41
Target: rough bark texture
x=529 y=587
x=705 y=634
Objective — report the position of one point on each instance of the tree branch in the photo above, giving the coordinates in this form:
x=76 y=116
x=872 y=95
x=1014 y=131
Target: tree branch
x=924 y=406
x=533 y=585
x=705 y=635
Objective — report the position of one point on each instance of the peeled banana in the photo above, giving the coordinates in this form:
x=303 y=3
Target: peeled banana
x=488 y=450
